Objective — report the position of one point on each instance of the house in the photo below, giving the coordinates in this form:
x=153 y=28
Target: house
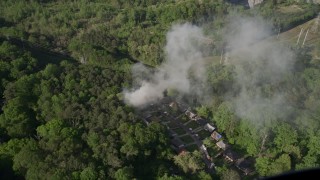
x=174 y=105
x=231 y=156
x=203 y=147
x=191 y=115
x=221 y=145
x=209 y=127
x=245 y=165
x=216 y=136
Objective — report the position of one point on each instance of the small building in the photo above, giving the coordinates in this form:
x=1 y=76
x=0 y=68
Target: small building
x=221 y=145
x=191 y=115
x=209 y=127
x=245 y=165
x=231 y=156
x=174 y=105
x=216 y=136
x=203 y=147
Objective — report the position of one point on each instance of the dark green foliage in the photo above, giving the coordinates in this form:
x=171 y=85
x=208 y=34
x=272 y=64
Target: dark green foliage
x=76 y=124
x=62 y=119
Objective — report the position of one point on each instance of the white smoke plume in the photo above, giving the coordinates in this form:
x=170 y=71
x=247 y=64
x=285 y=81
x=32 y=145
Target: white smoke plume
x=261 y=66
x=183 y=52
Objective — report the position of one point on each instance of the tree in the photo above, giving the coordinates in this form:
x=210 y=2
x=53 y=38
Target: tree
x=248 y=137
x=88 y=174
x=262 y=165
x=203 y=111
x=223 y=117
x=125 y=173
x=203 y=175
x=167 y=177
x=285 y=137
x=230 y=174
x=190 y=162
x=280 y=165
x=17 y=119
x=27 y=160
x=267 y=167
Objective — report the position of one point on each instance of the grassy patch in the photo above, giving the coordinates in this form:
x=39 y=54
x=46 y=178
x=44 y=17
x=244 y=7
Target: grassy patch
x=184 y=119
x=156 y=113
x=290 y=9
x=193 y=125
x=165 y=118
x=186 y=139
x=155 y=118
x=203 y=134
x=192 y=148
x=219 y=161
x=172 y=125
x=213 y=151
x=180 y=131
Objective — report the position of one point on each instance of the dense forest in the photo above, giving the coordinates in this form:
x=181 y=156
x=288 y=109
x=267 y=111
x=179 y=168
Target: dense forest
x=64 y=66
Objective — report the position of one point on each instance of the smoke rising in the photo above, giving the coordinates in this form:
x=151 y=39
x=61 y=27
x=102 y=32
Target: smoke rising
x=183 y=52
x=260 y=66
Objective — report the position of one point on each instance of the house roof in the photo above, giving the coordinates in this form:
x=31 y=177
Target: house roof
x=221 y=145
x=209 y=127
x=216 y=136
x=191 y=114
x=173 y=104
x=232 y=155
x=245 y=165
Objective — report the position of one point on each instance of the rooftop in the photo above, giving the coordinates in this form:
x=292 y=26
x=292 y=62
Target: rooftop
x=221 y=145
x=231 y=155
x=216 y=136
x=209 y=127
x=245 y=165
